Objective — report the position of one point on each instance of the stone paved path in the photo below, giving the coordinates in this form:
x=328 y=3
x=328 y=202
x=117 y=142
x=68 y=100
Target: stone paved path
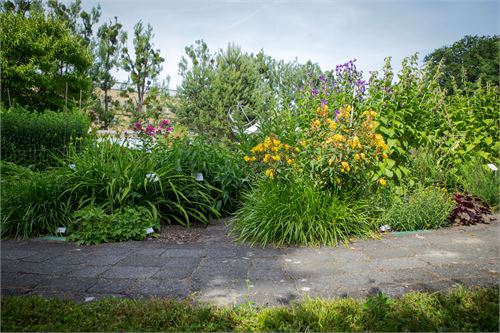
x=216 y=270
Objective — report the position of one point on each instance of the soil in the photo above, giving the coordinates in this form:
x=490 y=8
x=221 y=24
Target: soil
x=178 y=234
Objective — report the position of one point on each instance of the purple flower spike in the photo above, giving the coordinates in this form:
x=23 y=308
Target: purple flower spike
x=314 y=92
x=323 y=102
x=337 y=112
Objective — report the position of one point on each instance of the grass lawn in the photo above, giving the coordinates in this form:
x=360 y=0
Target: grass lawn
x=459 y=309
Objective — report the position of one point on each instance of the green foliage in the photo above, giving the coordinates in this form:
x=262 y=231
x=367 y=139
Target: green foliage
x=31 y=204
x=458 y=310
x=294 y=211
x=146 y=66
x=106 y=59
x=31 y=138
x=467 y=60
x=216 y=88
x=223 y=169
x=92 y=225
x=424 y=208
x=478 y=180
x=43 y=63
x=112 y=177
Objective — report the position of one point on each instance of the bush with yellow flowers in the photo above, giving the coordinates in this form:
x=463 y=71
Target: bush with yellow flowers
x=273 y=156
x=341 y=148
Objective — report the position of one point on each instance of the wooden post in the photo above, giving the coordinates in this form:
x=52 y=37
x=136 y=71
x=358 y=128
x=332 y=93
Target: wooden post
x=66 y=95
x=8 y=95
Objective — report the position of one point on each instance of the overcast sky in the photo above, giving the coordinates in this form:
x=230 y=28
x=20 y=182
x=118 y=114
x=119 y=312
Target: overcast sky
x=327 y=32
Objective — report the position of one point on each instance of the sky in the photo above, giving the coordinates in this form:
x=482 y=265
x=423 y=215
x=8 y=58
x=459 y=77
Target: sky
x=327 y=32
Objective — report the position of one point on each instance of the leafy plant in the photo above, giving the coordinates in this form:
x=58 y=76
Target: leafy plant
x=31 y=203
x=39 y=139
x=479 y=181
x=468 y=210
x=92 y=225
x=296 y=212
x=424 y=208
x=222 y=168
x=111 y=176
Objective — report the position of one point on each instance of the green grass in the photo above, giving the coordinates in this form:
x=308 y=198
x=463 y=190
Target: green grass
x=423 y=208
x=457 y=310
x=294 y=211
x=479 y=181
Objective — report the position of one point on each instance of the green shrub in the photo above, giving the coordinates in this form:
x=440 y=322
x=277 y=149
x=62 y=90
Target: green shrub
x=222 y=168
x=424 y=208
x=294 y=211
x=92 y=225
x=112 y=177
x=31 y=203
x=32 y=138
x=479 y=181
x=428 y=169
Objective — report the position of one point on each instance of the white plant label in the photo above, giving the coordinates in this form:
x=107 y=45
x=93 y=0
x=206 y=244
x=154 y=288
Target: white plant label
x=152 y=177
x=493 y=167
x=149 y=231
x=61 y=230
x=199 y=177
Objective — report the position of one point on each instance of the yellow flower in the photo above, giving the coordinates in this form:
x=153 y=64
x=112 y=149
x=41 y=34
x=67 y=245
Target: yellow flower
x=345 y=165
x=330 y=161
x=373 y=113
x=357 y=157
x=276 y=157
x=315 y=124
x=382 y=182
x=276 y=142
x=331 y=124
x=270 y=173
x=247 y=158
x=267 y=158
x=354 y=142
x=363 y=156
x=384 y=155
x=338 y=138
x=289 y=161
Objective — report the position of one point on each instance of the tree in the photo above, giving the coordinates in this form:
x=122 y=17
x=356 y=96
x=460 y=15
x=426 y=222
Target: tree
x=44 y=66
x=78 y=21
x=146 y=66
x=106 y=58
x=467 y=60
x=215 y=85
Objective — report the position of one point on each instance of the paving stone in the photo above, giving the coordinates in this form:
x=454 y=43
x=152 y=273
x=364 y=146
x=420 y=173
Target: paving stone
x=178 y=268
x=66 y=284
x=104 y=260
x=27 y=281
x=88 y=271
x=14 y=253
x=144 y=260
x=41 y=268
x=161 y=288
x=186 y=251
x=130 y=272
x=112 y=286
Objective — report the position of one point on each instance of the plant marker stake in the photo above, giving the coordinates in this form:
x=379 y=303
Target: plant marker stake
x=199 y=177
x=61 y=230
x=493 y=167
x=149 y=231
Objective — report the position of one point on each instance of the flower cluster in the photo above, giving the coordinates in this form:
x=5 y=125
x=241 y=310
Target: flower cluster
x=341 y=148
x=274 y=154
x=164 y=128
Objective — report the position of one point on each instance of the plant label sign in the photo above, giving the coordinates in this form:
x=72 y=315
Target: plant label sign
x=493 y=167
x=61 y=230
x=149 y=231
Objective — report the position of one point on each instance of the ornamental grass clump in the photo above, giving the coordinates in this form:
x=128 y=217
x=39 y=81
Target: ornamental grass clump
x=296 y=212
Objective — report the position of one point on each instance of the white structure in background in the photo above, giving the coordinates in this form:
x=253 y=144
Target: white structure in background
x=251 y=126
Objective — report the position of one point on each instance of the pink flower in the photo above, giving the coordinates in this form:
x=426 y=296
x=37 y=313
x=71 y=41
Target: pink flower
x=165 y=123
x=150 y=130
